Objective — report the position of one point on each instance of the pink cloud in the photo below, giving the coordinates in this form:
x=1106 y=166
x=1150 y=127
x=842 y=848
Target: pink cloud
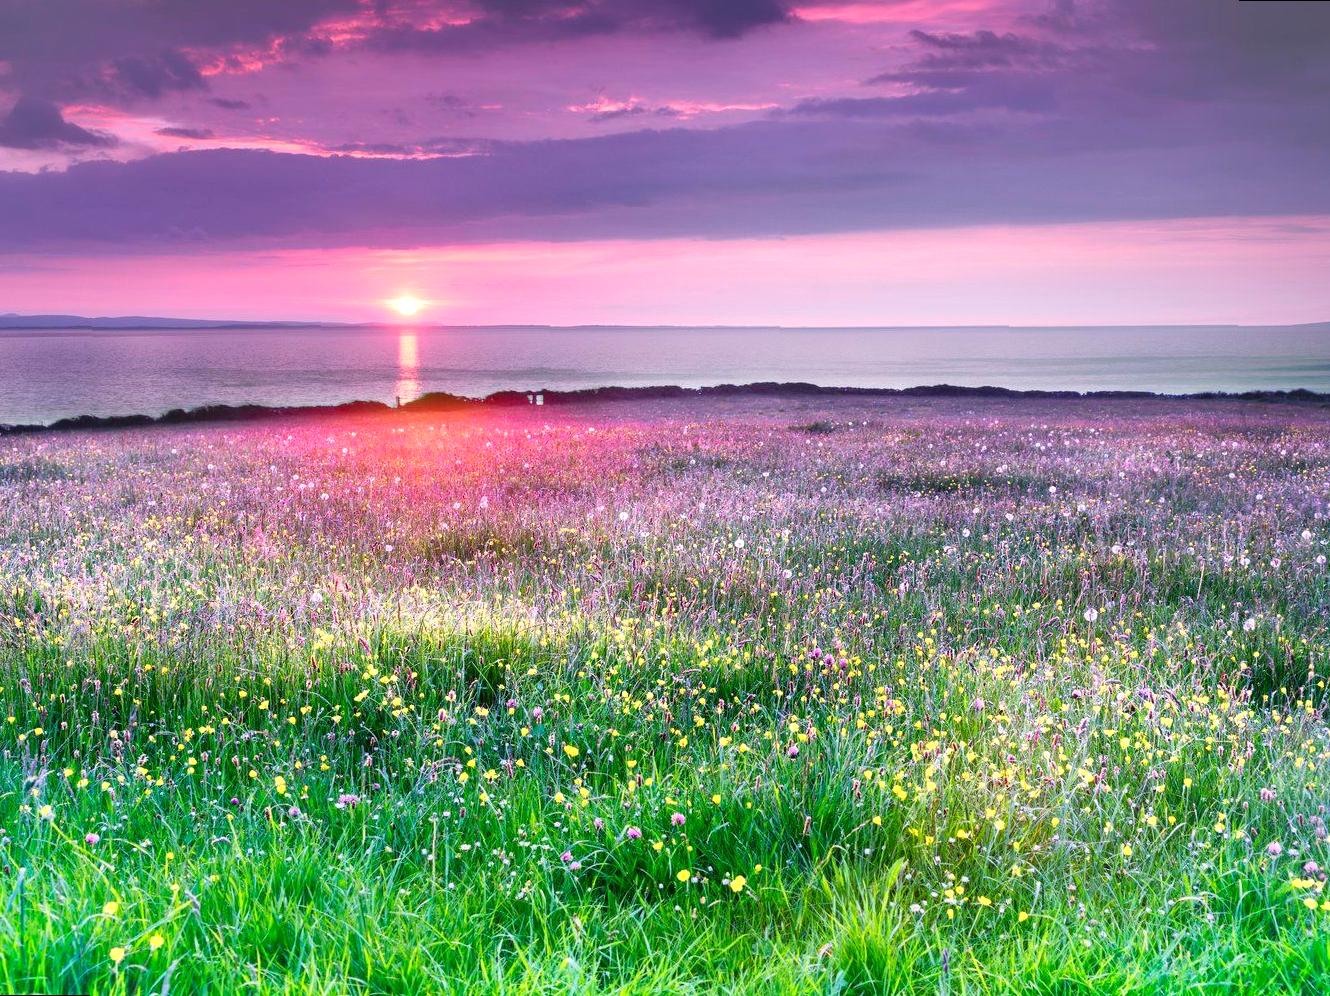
x=607 y=108
x=912 y=12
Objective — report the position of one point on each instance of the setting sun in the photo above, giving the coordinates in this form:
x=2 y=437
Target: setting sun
x=406 y=305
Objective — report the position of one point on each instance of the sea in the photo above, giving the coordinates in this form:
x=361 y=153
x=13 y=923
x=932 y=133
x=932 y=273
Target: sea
x=54 y=373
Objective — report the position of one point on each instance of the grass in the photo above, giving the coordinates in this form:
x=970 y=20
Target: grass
x=929 y=699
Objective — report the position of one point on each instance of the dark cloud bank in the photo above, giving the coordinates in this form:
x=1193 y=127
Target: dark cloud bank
x=136 y=48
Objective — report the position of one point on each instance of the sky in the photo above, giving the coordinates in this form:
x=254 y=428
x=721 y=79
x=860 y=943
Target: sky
x=797 y=162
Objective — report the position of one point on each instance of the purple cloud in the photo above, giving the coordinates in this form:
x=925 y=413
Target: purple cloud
x=70 y=47
x=1015 y=92
x=194 y=133
x=769 y=178
x=984 y=49
x=513 y=21
x=156 y=75
x=58 y=46
x=38 y=124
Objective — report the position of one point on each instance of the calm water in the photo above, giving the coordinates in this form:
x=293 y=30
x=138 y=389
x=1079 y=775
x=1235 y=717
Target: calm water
x=50 y=374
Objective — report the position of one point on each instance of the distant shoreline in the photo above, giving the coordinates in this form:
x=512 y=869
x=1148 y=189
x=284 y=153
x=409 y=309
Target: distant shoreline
x=438 y=401
x=141 y=323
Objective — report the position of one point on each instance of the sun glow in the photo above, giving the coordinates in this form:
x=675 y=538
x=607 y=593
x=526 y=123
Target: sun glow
x=406 y=305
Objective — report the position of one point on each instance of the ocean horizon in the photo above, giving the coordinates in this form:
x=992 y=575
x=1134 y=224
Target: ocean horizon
x=55 y=373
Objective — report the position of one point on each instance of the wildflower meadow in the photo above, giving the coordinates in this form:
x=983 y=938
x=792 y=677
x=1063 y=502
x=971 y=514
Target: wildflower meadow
x=766 y=696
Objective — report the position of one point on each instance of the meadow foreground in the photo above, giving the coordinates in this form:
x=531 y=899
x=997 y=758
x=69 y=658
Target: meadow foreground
x=762 y=697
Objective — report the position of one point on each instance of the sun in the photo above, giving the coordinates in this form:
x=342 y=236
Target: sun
x=406 y=305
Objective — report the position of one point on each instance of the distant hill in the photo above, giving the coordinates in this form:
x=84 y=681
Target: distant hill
x=14 y=321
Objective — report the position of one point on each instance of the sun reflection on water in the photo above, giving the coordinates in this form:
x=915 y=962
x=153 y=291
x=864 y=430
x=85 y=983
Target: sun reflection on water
x=408 y=366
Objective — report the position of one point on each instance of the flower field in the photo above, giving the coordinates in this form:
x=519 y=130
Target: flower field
x=768 y=697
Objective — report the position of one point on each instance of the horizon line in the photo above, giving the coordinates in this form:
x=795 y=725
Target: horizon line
x=48 y=323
